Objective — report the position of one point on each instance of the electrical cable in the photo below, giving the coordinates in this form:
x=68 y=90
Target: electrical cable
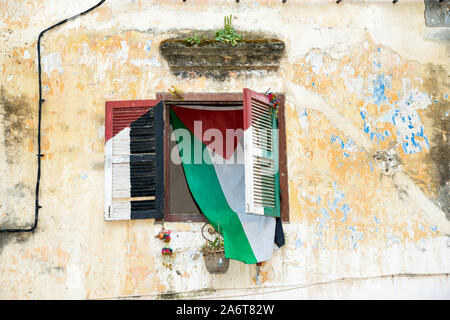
x=280 y=288
x=294 y=287
x=39 y=155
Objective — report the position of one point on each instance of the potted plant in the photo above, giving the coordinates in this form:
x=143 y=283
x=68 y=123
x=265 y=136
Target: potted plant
x=214 y=253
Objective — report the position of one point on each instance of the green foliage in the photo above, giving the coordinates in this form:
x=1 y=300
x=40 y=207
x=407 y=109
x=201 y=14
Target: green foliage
x=225 y=35
x=228 y=34
x=213 y=246
x=194 y=40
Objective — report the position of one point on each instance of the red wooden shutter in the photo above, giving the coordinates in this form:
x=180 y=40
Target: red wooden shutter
x=134 y=160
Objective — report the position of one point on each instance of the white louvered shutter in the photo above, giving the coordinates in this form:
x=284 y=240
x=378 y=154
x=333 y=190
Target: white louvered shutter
x=262 y=194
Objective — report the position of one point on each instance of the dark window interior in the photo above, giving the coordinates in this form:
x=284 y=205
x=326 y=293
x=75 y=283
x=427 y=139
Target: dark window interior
x=181 y=200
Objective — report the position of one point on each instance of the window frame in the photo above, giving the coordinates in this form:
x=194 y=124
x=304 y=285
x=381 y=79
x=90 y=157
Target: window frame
x=169 y=99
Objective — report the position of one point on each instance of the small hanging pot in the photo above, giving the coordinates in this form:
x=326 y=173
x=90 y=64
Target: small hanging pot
x=216 y=263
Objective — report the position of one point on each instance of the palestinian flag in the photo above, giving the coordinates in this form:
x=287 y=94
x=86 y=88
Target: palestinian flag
x=210 y=142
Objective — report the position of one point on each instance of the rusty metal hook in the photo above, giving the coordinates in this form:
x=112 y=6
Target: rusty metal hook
x=177 y=93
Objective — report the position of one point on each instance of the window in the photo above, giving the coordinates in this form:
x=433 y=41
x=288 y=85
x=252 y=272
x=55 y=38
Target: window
x=141 y=180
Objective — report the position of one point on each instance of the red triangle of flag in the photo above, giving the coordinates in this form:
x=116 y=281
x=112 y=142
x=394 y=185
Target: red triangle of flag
x=213 y=119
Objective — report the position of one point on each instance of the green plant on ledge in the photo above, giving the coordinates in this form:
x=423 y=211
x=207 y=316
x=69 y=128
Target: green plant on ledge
x=228 y=34
x=194 y=40
x=225 y=35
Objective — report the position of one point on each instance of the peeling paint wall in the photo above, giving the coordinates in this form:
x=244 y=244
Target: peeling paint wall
x=359 y=77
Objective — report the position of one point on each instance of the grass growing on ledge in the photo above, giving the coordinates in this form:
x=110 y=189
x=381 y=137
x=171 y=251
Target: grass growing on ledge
x=225 y=35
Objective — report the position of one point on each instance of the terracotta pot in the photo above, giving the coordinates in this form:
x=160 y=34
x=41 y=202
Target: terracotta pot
x=216 y=263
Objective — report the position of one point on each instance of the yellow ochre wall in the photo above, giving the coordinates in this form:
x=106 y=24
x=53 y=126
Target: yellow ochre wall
x=350 y=72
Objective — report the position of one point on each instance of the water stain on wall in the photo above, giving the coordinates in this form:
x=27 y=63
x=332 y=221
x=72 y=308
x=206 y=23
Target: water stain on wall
x=18 y=191
x=439 y=153
x=6 y=238
x=16 y=111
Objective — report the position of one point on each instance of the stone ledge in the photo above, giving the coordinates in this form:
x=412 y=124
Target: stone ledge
x=213 y=58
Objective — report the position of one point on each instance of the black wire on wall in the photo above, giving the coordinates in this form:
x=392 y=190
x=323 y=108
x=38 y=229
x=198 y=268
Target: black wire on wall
x=41 y=101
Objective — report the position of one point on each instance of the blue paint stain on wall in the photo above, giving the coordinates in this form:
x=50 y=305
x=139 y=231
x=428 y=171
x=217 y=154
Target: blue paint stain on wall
x=355 y=236
x=363 y=114
x=410 y=130
x=347 y=147
x=298 y=243
x=345 y=208
x=335 y=207
x=380 y=85
x=373 y=133
x=376 y=64
x=338 y=203
x=148 y=46
x=403 y=115
x=325 y=214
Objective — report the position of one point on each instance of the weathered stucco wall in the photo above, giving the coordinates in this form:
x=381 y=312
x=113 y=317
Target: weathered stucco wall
x=359 y=77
